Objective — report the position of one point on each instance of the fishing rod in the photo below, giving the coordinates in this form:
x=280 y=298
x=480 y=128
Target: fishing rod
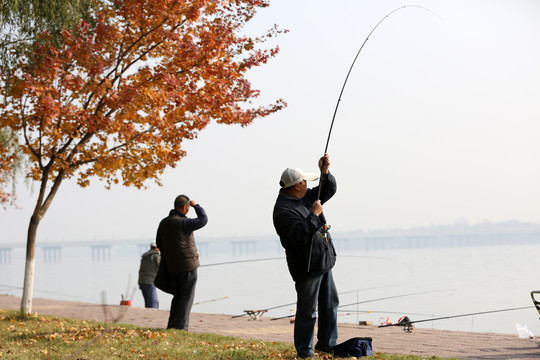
x=294 y=303
x=349 y=73
x=242 y=261
x=211 y=300
x=380 y=312
x=321 y=216
x=408 y=324
x=366 y=301
x=354 y=61
x=283 y=257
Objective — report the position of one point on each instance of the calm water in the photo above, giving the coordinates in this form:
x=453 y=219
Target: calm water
x=419 y=283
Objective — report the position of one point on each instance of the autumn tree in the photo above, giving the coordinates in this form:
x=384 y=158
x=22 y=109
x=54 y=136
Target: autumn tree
x=116 y=99
x=9 y=164
x=20 y=23
x=22 y=20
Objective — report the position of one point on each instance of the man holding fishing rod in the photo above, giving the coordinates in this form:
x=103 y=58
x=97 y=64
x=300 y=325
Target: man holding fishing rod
x=303 y=232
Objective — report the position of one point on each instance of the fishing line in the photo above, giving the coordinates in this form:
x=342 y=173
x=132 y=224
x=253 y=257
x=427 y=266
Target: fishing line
x=47 y=292
x=366 y=301
x=389 y=297
x=349 y=73
x=364 y=289
x=294 y=303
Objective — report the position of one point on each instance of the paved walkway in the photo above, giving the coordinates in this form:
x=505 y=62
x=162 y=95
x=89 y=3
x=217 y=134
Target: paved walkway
x=422 y=342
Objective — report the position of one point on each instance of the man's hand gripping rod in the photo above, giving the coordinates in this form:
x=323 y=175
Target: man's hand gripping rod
x=325 y=228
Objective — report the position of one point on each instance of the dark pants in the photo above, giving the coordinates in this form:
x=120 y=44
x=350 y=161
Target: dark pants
x=319 y=289
x=184 y=293
x=150 y=295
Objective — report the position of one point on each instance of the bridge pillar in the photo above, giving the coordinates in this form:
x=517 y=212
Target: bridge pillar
x=341 y=244
x=52 y=253
x=101 y=252
x=246 y=245
x=5 y=255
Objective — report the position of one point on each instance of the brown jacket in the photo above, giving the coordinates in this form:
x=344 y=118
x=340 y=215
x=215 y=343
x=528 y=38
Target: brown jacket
x=177 y=248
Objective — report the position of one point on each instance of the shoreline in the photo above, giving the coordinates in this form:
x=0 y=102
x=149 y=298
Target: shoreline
x=421 y=342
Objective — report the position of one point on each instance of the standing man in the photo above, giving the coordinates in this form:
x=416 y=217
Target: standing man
x=310 y=255
x=177 y=244
x=147 y=273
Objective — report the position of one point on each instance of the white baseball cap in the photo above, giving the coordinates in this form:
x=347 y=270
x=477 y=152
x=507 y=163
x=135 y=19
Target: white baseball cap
x=291 y=177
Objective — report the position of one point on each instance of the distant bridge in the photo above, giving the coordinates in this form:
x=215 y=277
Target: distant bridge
x=240 y=246
x=52 y=251
x=101 y=249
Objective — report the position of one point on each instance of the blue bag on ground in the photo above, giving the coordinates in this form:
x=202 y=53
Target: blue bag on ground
x=357 y=347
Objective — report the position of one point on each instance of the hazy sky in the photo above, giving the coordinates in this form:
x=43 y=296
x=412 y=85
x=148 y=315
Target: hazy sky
x=439 y=122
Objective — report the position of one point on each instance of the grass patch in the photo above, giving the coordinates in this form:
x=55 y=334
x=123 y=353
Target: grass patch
x=49 y=337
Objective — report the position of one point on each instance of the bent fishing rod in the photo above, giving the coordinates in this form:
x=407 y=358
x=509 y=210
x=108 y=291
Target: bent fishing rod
x=349 y=73
x=407 y=323
x=326 y=227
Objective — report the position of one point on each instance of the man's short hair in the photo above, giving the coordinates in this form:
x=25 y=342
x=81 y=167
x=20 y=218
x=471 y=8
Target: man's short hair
x=281 y=183
x=181 y=201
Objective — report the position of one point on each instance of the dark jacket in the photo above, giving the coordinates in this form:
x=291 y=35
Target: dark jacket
x=177 y=247
x=298 y=227
x=149 y=266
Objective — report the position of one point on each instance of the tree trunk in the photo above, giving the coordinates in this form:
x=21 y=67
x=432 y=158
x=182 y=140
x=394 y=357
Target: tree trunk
x=28 y=288
x=42 y=205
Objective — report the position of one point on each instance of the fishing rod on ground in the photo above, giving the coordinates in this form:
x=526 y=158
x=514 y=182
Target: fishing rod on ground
x=408 y=324
x=381 y=312
x=357 y=312
x=366 y=301
x=294 y=303
x=326 y=227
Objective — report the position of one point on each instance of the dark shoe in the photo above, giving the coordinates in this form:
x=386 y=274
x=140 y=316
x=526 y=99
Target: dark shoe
x=324 y=348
